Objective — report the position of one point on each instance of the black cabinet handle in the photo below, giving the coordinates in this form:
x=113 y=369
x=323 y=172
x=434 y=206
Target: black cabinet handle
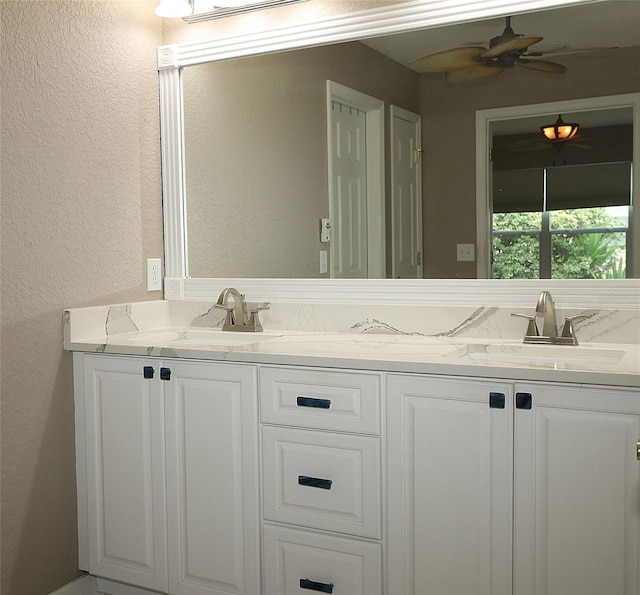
x=165 y=373
x=524 y=400
x=148 y=371
x=496 y=400
x=315 y=482
x=305 y=583
x=313 y=402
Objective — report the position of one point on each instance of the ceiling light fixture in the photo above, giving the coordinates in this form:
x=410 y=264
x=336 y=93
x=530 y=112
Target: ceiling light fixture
x=226 y=8
x=560 y=131
x=174 y=9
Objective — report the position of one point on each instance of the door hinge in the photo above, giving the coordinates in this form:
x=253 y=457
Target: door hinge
x=418 y=258
x=417 y=155
x=490 y=154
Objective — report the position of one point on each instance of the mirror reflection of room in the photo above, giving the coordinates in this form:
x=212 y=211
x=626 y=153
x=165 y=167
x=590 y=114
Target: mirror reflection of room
x=257 y=150
x=561 y=202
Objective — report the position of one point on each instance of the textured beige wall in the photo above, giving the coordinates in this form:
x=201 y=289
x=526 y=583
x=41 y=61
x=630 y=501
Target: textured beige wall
x=448 y=114
x=256 y=154
x=81 y=210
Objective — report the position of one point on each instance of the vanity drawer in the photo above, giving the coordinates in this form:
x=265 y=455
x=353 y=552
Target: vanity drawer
x=321 y=399
x=297 y=562
x=322 y=480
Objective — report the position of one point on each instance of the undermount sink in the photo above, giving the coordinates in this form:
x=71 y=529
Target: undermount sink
x=547 y=354
x=361 y=345
x=212 y=337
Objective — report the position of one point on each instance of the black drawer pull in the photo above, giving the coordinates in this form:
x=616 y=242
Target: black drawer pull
x=313 y=402
x=497 y=400
x=165 y=373
x=148 y=371
x=315 y=482
x=523 y=400
x=305 y=583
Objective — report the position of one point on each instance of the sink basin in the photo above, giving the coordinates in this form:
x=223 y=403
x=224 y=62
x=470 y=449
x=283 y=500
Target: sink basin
x=212 y=337
x=546 y=355
x=377 y=346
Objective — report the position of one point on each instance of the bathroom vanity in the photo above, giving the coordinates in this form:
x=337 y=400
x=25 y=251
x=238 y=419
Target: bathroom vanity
x=380 y=436
x=214 y=462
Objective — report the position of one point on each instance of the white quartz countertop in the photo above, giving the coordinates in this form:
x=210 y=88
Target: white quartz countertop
x=588 y=363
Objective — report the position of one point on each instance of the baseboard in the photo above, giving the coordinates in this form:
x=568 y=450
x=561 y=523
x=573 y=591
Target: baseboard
x=107 y=587
x=85 y=585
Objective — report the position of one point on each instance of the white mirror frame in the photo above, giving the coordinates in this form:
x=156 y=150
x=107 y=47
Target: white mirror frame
x=397 y=18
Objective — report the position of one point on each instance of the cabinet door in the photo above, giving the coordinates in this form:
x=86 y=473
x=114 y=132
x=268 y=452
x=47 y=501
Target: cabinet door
x=577 y=491
x=125 y=471
x=212 y=433
x=449 y=477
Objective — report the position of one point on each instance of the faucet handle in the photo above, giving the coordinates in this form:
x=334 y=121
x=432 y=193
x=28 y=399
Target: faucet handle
x=228 y=319
x=568 y=330
x=532 y=327
x=254 y=319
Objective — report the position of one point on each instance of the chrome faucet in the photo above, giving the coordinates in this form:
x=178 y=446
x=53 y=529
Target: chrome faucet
x=239 y=316
x=545 y=309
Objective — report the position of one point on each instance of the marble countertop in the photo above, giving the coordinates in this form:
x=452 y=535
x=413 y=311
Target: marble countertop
x=588 y=363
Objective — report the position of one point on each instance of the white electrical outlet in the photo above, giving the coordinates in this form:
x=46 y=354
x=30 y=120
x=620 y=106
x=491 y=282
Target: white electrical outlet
x=154 y=274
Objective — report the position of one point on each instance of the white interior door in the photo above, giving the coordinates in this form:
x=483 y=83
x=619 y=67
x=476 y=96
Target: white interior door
x=406 y=195
x=349 y=218
x=355 y=140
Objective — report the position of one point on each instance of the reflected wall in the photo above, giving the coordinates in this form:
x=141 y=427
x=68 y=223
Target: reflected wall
x=256 y=154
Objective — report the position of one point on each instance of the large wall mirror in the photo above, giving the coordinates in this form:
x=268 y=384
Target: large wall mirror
x=252 y=160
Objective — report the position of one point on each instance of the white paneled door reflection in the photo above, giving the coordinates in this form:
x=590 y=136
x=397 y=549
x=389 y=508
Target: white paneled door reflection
x=406 y=195
x=349 y=221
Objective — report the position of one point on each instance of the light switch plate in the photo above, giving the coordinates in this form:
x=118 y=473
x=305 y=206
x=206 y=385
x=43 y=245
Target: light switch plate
x=466 y=252
x=323 y=261
x=325 y=230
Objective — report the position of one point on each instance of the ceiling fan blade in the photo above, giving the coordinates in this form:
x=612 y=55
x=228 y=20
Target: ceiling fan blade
x=567 y=50
x=449 y=59
x=472 y=73
x=511 y=45
x=543 y=66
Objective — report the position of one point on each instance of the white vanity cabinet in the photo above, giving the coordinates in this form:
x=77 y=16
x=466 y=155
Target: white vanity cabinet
x=322 y=481
x=170 y=475
x=523 y=488
x=466 y=485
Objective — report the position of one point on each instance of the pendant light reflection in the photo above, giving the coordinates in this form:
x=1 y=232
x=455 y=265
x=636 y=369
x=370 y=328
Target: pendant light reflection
x=560 y=131
x=174 y=9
